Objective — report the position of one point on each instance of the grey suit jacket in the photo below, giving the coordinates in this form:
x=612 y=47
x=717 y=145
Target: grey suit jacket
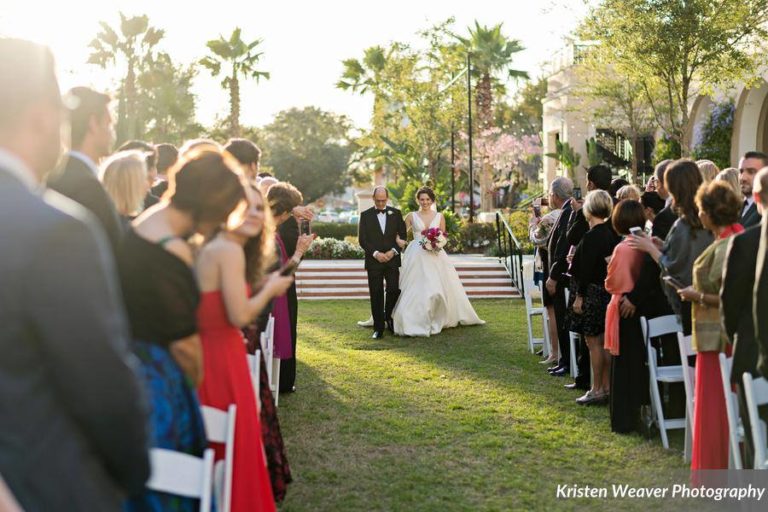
x=73 y=430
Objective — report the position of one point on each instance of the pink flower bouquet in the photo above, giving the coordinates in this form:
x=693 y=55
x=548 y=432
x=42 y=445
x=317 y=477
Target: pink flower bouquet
x=433 y=240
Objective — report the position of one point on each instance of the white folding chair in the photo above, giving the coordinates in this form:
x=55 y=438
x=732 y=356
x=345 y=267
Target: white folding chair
x=735 y=428
x=573 y=340
x=530 y=294
x=182 y=474
x=220 y=428
x=255 y=370
x=654 y=328
x=689 y=383
x=756 y=393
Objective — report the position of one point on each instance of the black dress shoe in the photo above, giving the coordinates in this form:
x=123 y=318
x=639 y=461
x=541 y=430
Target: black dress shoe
x=554 y=368
x=391 y=327
x=560 y=372
x=377 y=335
x=576 y=385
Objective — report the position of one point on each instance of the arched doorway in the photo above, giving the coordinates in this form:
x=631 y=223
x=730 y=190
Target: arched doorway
x=762 y=127
x=750 y=123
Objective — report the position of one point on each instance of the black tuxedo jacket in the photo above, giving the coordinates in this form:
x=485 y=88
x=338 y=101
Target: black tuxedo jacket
x=557 y=245
x=77 y=182
x=760 y=300
x=751 y=217
x=372 y=239
x=662 y=223
x=736 y=300
x=72 y=419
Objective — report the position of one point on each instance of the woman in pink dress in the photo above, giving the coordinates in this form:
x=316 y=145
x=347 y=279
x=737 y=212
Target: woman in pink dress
x=224 y=308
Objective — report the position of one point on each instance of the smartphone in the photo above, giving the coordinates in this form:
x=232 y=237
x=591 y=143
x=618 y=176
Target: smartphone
x=289 y=268
x=537 y=211
x=637 y=231
x=674 y=283
x=304 y=228
x=577 y=193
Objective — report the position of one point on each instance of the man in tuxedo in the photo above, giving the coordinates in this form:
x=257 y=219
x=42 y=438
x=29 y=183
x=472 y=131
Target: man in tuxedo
x=560 y=192
x=736 y=302
x=92 y=138
x=72 y=422
x=750 y=163
x=377 y=233
x=663 y=221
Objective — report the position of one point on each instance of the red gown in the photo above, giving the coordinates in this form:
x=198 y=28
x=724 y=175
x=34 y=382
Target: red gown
x=226 y=380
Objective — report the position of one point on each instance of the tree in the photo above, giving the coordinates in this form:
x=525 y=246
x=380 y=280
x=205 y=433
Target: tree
x=524 y=116
x=715 y=142
x=133 y=47
x=682 y=47
x=309 y=148
x=566 y=156
x=240 y=59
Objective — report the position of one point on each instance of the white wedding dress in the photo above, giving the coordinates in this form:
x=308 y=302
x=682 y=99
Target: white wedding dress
x=432 y=297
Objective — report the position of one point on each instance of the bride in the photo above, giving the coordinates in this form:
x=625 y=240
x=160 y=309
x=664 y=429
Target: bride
x=432 y=297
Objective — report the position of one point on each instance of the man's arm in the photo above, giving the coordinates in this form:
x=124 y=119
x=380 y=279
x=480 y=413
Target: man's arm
x=72 y=300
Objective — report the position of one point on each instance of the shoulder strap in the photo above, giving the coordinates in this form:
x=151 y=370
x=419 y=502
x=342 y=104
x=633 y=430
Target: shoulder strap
x=165 y=240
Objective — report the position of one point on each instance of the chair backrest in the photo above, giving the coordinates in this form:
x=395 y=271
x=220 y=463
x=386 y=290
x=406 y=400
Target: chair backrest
x=689 y=374
x=731 y=408
x=756 y=394
x=659 y=326
x=528 y=286
x=220 y=428
x=182 y=474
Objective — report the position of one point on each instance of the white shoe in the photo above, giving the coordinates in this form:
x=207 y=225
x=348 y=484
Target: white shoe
x=366 y=323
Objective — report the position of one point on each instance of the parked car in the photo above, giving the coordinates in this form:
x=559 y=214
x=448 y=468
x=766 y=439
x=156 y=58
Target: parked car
x=328 y=216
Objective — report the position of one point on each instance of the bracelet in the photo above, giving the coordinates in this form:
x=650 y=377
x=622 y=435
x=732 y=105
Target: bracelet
x=701 y=300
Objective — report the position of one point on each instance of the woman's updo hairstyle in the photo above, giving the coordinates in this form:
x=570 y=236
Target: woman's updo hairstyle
x=425 y=190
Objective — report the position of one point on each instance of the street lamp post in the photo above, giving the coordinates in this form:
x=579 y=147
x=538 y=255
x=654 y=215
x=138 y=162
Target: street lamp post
x=469 y=131
x=453 y=169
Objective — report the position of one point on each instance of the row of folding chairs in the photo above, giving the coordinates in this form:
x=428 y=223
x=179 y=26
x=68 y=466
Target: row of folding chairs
x=267 y=350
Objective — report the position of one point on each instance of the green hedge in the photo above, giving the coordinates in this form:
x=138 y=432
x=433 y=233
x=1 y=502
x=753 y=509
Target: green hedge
x=334 y=230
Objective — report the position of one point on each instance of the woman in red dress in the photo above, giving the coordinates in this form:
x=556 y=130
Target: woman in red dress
x=225 y=307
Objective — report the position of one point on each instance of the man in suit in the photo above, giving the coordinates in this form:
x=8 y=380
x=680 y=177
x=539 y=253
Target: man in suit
x=663 y=221
x=736 y=302
x=72 y=422
x=377 y=233
x=560 y=192
x=92 y=139
x=750 y=163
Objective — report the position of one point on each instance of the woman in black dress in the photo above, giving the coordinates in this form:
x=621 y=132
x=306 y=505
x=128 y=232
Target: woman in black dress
x=161 y=298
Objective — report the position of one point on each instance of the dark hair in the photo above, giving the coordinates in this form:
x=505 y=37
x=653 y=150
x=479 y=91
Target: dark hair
x=653 y=201
x=265 y=174
x=759 y=155
x=426 y=190
x=283 y=197
x=27 y=76
x=260 y=249
x=660 y=169
x=601 y=176
x=85 y=103
x=206 y=184
x=720 y=202
x=627 y=214
x=167 y=154
x=616 y=184
x=149 y=150
x=244 y=150
x=682 y=180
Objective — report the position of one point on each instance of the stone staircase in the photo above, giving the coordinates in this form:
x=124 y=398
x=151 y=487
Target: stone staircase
x=483 y=278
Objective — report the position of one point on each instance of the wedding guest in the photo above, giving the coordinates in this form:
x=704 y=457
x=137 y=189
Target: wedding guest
x=125 y=180
x=555 y=266
x=198 y=144
x=628 y=192
x=730 y=176
x=749 y=164
x=685 y=241
x=226 y=305
x=708 y=169
x=72 y=417
x=167 y=155
x=162 y=296
x=283 y=198
x=623 y=336
x=539 y=229
x=652 y=205
x=590 y=270
x=736 y=306
x=150 y=153
x=719 y=210
x=92 y=136
x=662 y=223
x=248 y=154
x=616 y=186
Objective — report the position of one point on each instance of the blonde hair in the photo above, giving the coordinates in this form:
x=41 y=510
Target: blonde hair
x=629 y=192
x=731 y=177
x=598 y=204
x=125 y=180
x=708 y=170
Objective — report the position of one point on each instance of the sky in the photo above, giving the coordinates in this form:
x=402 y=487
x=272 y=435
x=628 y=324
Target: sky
x=304 y=44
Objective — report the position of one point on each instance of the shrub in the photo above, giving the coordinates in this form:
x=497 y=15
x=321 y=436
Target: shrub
x=715 y=143
x=518 y=222
x=334 y=230
x=478 y=236
x=332 y=249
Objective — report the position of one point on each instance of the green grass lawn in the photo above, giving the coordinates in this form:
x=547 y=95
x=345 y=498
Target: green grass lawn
x=467 y=420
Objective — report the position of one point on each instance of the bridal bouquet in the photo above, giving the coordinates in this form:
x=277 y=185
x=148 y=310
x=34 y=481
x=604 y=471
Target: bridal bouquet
x=433 y=240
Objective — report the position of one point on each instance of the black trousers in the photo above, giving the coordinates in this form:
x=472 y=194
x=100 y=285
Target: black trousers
x=561 y=312
x=288 y=366
x=584 y=374
x=381 y=309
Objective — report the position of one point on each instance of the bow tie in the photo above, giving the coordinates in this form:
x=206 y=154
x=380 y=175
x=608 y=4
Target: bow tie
x=380 y=212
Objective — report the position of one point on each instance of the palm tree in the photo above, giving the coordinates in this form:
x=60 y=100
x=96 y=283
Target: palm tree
x=134 y=44
x=491 y=52
x=241 y=59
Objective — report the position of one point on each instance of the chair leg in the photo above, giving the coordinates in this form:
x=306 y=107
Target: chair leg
x=656 y=399
x=688 y=448
x=573 y=337
x=530 y=333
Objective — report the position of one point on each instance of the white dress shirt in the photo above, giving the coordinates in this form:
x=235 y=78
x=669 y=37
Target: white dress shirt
x=382 y=218
x=748 y=202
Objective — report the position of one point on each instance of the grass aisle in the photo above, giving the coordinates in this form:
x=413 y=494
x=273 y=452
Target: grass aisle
x=467 y=420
